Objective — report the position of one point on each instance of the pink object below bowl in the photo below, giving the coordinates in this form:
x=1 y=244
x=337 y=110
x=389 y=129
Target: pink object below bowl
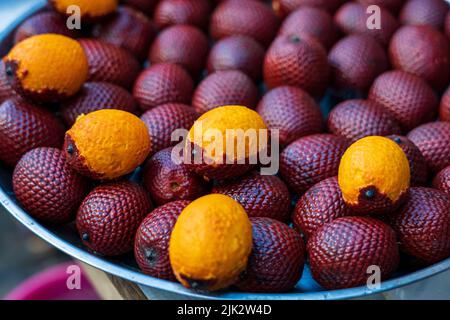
x=51 y=284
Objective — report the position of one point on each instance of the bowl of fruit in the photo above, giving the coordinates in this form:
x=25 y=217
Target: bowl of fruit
x=115 y=127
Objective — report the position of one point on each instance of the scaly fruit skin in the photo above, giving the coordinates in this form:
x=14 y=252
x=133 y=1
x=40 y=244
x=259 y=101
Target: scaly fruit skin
x=128 y=29
x=284 y=7
x=161 y=84
x=222 y=88
x=6 y=91
x=248 y=18
x=47 y=187
x=313 y=22
x=423 y=225
x=447 y=25
x=392 y=5
x=292 y=111
x=321 y=204
x=351 y=18
x=145 y=6
x=109 y=63
x=356 y=119
x=237 y=53
x=192 y=12
x=23 y=127
x=311 y=159
x=299 y=62
x=96 y=96
x=109 y=217
x=407 y=97
x=184 y=45
x=167 y=181
x=163 y=120
x=424 y=12
x=277 y=258
x=417 y=162
x=444 y=109
x=423 y=51
x=261 y=196
x=151 y=246
x=43 y=22
x=432 y=139
x=356 y=61
x=341 y=251
x=442 y=180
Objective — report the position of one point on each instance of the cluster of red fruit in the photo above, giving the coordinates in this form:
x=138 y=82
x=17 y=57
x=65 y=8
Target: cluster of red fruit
x=297 y=50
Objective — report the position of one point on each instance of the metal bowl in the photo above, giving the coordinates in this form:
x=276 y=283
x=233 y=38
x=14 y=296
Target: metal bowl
x=66 y=239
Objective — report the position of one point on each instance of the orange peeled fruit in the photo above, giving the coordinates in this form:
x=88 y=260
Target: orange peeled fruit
x=374 y=175
x=107 y=144
x=210 y=243
x=47 y=68
x=89 y=9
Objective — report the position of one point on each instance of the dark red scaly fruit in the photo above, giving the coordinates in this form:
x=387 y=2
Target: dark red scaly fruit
x=356 y=119
x=145 y=6
x=6 y=91
x=184 y=45
x=423 y=225
x=392 y=5
x=277 y=258
x=299 y=62
x=423 y=51
x=351 y=18
x=442 y=180
x=163 y=83
x=192 y=12
x=292 y=111
x=356 y=61
x=23 y=127
x=96 y=96
x=128 y=29
x=417 y=162
x=169 y=181
x=47 y=187
x=237 y=53
x=163 y=120
x=311 y=159
x=221 y=88
x=433 y=140
x=321 y=204
x=248 y=18
x=424 y=12
x=447 y=25
x=44 y=22
x=284 y=7
x=409 y=99
x=110 y=215
x=444 y=109
x=341 y=251
x=151 y=246
x=260 y=195
x=110 y=63
x=312 y=22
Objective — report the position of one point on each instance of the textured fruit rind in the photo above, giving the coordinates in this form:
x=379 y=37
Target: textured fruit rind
x=210 y=243
x=88 y=8
x=442 y=180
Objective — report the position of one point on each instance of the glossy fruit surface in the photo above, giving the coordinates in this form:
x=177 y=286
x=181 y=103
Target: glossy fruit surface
x=341 y=252
x=47 y=187
x=168 y=181
x=23 y=127
x=145 y=6
x=374 y=175
x=110 y=215
x=356 y=119
x=444 y=108
x=97 y=96
x=392 y=5
x=192 y=12
x=311 y=159
x=424 y=12
x=298 y=62
x=423 y=226
x=407 y=97
x=161 y=84
x=260 y=195
x=210 y=243
x=442 y=180
x=221 y=88
x=284 y=7
x=151 y=247
x=277 y=258
x=107 y=144
x=89 y=10
x=292 y=111
x=321 y=204
x=47 y=67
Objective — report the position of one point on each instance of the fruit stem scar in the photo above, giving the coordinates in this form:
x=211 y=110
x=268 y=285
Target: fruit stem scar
x=370 y=193
x=294 y=38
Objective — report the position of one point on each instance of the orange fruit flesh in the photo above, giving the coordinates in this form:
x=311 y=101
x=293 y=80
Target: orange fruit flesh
x=91 y=8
